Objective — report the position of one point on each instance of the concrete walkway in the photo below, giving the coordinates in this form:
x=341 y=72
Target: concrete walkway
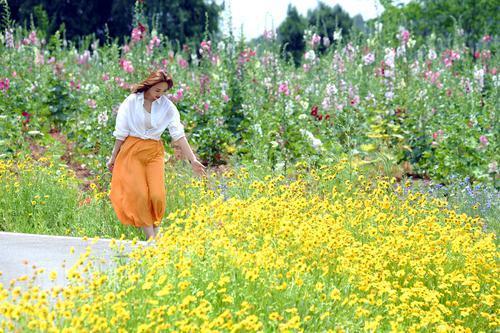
x=20 y=252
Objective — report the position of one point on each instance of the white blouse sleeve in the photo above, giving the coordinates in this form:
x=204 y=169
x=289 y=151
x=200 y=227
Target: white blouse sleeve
x=175 y=127
x=122 y=128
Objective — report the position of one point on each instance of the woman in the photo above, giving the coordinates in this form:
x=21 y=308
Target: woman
x=137 y=160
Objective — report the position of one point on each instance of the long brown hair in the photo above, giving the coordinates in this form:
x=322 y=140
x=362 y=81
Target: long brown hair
x=154 y=78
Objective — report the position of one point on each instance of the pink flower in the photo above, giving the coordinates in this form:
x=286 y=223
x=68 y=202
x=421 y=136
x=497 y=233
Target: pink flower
x=355 y=100
x=180 y=94
x=105 y=77
x=91 y=103
x=283 y=88
x=138 y=33
x=369 y=58
x=225 y=97
x=183 y=63
x=126 y=65
x=32 y=38
x=483 y=140
x=404 y=36
x=14 y=74
x=126 y=48
x=315 y=40
x=206 y=46
x=206 y=105
x=84 y=58
x=486 y=38
x=4 y=84
x=155 y=41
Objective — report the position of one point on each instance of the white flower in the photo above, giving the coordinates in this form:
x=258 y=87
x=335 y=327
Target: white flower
x=479 y=76
x=432 y=54
x=337 y=35
x=310 y=55
x=316 y=143
x=102 y=118
x=389 y=57
x=331 y=89
x=302 y=116
x=258 y=129
x=493 y=167
x=221 y=46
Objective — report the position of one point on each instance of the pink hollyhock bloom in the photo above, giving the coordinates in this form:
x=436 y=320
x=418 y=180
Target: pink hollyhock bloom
x=179 y=94
x=127 y=65
x=404 y=36
x=14 y=74
x=206 y=46
x=355 y=100
x=32 y=37
x=283 y=88
x=226 y=98
x=84 y=58
x=315 y=40
x=105 y=77
x=138 y=33
x=91 y=103
x=483 y=140
x=5 y=84
x=369 y=58
x=183 y=63
x=206 y=105
x=486 y=38
x=155 y=41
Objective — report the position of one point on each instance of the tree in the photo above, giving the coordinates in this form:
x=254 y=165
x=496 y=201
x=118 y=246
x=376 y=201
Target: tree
x=291 y=34
x=328 y=19
x=443 y=17
x=178 y=19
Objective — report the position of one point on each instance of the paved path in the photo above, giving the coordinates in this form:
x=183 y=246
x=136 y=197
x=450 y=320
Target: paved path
x=19 y=252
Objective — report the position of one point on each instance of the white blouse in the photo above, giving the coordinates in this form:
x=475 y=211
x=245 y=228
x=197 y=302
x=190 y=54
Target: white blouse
x=131 y=119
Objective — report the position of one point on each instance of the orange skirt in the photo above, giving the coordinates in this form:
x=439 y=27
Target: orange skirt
x=138 y=182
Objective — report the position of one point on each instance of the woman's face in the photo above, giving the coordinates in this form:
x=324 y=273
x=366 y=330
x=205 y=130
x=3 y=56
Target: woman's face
x=156 y=91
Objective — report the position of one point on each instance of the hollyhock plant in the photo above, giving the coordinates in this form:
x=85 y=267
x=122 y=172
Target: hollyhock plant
x=138 y=33
x=126 y=65
x=483 y=140
x=369 y=59
x=283 y=88
x=91 y=103
x=4 y=84
x=315 y=40
x=26 y=116
x=404 y=36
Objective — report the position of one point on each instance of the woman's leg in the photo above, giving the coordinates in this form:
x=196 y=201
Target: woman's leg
x=149 y=231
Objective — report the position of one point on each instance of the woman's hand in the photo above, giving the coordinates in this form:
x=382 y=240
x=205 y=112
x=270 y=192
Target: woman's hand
x=198 y=168
x=110 y=164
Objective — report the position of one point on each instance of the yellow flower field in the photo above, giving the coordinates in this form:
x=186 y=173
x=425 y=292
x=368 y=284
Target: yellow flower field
x=316 y=253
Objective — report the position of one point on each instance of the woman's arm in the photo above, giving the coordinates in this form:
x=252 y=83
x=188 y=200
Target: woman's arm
x=188 y=153
x=116 y=149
